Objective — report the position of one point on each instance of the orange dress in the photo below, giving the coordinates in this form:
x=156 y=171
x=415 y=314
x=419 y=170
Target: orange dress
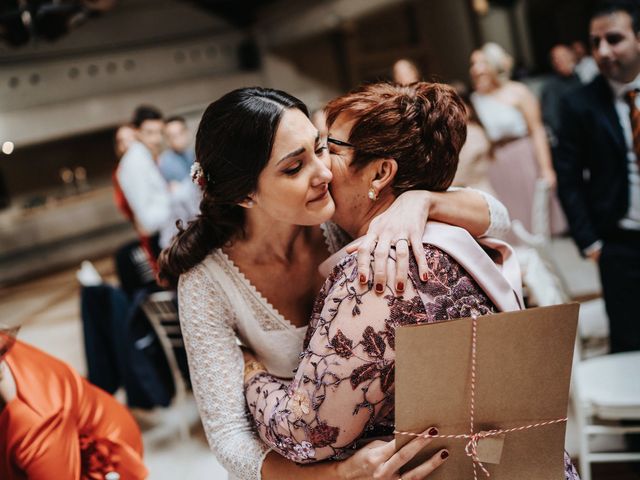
x=61 y=426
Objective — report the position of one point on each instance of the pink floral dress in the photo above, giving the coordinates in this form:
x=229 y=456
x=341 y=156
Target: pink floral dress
x=343 y=389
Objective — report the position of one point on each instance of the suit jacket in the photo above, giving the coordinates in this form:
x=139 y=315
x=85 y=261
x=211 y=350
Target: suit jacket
x=591 y=163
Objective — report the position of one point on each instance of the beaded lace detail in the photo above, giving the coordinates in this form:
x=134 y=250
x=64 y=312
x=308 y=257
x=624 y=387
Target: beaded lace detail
x=498 y=215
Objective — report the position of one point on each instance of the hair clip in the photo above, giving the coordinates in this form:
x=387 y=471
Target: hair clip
x=197 y=175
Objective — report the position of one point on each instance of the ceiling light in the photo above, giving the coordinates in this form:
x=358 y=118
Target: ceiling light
x=7 y=148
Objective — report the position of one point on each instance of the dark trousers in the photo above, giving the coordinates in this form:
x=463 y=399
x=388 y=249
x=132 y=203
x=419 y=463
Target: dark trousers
x=620 y=276
x=122 y=348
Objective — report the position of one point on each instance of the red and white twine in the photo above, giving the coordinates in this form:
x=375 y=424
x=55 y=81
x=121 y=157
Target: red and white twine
x=471 y=448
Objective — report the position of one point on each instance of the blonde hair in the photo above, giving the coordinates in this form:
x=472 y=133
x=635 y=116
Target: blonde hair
x=499 y=60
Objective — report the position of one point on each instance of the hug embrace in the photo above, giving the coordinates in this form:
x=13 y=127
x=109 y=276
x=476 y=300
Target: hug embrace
x=282 y=374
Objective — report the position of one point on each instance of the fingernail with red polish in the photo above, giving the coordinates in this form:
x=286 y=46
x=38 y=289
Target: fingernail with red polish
x=400 y=287
x=433 y=431
x=424 y=277
x=379 y=288
x=444 y=454
x=363 y=278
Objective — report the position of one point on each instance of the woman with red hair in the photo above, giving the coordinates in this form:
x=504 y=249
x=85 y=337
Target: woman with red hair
x=384 y=140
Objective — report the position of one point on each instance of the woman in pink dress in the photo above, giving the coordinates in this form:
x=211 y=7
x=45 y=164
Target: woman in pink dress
x=510 y=115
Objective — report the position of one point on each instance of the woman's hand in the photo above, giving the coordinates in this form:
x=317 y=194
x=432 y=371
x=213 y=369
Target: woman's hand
x=401 y=225
x=379 y=460
x=251 y=365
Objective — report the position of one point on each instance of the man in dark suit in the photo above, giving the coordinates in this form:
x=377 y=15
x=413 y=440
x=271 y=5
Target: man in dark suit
x=597 y=163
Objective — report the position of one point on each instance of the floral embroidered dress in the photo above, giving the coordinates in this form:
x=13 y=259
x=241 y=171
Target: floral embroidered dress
x=343 y=389
x=218 y=307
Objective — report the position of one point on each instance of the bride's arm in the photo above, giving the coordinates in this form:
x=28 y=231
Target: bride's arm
x=216 y=371
x=478 y=212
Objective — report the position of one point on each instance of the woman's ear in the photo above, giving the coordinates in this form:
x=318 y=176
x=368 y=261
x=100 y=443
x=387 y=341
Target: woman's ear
x=248 y=202
x=384 y=173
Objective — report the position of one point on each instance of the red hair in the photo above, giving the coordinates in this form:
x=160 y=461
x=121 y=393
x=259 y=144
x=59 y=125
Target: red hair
x=422 y=126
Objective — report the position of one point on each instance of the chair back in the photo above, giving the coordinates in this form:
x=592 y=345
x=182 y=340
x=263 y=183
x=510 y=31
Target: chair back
x=160 y=308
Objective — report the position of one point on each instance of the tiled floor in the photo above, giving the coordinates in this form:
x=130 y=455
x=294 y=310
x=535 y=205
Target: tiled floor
x=48 y=309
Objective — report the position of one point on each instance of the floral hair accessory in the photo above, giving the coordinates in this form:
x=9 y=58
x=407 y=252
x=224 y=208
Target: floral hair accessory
x=197 y=175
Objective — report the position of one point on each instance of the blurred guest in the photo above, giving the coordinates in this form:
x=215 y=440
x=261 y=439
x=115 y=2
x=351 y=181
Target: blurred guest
x=510 y=114
x=124 y=137
x=597 y=160
x=154 y=204
x=319 y=120
x=477 y=152
x=563 y=80
x=406 y=72
x=135 y=261
x=55 y=424
x=175 y=162
x=586 y=66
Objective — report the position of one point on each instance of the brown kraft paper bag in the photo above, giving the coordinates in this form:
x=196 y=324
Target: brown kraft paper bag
x=523 y=371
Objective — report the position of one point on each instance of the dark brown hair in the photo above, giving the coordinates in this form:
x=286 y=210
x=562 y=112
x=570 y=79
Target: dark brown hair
x=607 y=7
x=143 y=113
x=233 y=145
x=422 y=126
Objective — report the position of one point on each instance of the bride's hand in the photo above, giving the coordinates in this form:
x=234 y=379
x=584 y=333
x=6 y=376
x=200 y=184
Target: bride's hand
x=401 y=225
x=251 y=365
x=379 y=460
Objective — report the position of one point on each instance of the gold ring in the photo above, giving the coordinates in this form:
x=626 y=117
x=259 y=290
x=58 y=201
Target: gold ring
x=402 y=240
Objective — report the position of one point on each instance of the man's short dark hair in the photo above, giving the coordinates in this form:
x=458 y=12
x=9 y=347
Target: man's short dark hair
x=606 y=7
x=175 y=118
x=144 y=113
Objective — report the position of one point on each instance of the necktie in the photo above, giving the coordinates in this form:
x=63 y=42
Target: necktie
x=634 y=114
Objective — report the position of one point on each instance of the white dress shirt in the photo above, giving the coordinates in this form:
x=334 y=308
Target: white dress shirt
x=155 y=206
x=631 y=221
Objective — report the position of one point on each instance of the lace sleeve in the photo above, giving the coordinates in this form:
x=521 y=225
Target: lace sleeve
x=216 y=368
x=499 y=215
x=344 y=380
x=500 y=222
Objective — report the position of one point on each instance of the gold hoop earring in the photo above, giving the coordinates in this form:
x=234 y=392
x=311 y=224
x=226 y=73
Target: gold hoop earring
x=373 y=196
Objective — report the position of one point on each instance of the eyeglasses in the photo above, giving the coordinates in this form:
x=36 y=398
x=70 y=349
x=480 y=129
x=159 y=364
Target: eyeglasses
x=340 y=143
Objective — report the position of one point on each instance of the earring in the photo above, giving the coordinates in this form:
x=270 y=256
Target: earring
x=373 y=196
x=249 y=203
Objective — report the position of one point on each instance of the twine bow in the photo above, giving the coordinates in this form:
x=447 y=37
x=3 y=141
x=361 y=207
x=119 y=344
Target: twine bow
x=471 y=448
